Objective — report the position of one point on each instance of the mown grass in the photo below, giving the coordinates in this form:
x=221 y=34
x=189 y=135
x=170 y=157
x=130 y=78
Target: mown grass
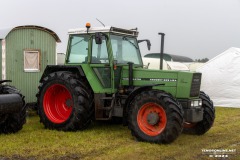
x=107 y=141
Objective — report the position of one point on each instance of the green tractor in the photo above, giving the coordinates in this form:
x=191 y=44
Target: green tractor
x=104 y=79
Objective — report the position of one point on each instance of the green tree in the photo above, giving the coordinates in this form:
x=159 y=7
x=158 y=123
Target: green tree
x=202 y=60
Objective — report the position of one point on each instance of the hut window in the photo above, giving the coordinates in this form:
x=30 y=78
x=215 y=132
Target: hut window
x=31 y=61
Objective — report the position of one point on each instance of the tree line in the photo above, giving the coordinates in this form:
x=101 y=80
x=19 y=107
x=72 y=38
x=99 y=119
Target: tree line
x=202 y=60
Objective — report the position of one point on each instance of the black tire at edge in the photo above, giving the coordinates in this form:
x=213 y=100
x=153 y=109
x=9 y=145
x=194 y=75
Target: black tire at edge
x=14 y=121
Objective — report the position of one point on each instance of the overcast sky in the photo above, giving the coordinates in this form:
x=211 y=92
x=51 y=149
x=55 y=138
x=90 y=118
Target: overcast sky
x=193 y=28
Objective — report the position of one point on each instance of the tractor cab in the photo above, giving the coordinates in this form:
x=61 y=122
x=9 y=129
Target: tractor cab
x=103 y=45
x=105 y=50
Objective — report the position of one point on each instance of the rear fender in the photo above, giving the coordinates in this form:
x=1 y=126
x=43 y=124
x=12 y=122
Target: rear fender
x=76 y=70
x=55 y=68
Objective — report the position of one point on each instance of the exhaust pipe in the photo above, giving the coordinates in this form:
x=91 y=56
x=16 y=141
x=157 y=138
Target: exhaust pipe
x=130 y=72
x=161 y=50
x=10 y=103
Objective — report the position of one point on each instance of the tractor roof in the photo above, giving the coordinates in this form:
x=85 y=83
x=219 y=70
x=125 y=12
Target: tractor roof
x=130 y=32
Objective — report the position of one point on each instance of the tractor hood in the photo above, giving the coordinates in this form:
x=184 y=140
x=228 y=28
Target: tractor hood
x=179 y=84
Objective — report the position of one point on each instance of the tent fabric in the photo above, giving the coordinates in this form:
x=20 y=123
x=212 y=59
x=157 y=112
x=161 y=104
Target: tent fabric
x=177 y=66
x=153 y=63
x=221 y=78
x=169 y=57
x=194 y=65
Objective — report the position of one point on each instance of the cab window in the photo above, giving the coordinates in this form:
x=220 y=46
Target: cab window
x=99 y=52
x=78 y=49
x=125 y=49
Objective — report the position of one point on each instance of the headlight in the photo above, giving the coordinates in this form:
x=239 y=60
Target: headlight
x=192 y=104
x=196 y=103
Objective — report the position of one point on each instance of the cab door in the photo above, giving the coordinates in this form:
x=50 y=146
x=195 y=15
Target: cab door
x=100 y=64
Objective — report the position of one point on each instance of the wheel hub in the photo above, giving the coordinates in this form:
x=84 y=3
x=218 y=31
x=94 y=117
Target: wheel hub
x=153 y=118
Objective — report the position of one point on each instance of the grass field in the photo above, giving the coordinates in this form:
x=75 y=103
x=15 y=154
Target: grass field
x=107 y=141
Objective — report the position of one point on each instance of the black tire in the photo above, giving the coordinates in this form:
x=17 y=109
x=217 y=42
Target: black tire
x=12 y=122
x=171 y=114
x=203 y=126
x=79 y=106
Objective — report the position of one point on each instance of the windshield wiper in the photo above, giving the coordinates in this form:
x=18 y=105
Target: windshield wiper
x=77 y=42
x=125 y=38
x=81 y=41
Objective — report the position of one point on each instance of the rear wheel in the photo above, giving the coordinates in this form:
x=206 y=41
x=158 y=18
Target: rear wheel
x=155 y=116
x=65 y=103
x=208 y=118
x=12 y=122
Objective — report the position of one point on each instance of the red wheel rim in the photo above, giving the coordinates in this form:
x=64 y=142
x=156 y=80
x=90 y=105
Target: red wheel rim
x=57 y=103
x=157 y=125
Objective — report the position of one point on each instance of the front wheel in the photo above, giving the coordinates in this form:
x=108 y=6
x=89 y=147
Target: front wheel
x=208 y=118
x=65 y=102
x=156 y=117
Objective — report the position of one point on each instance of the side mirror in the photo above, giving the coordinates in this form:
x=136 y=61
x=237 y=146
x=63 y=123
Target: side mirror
x=148 y=43
x=98 y=38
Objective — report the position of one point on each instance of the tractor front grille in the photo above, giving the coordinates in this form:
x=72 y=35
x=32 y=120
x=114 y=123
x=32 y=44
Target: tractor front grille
x=196 y=83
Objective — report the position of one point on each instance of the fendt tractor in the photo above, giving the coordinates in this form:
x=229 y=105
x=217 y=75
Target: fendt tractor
x=12 y=109
x=104 y=78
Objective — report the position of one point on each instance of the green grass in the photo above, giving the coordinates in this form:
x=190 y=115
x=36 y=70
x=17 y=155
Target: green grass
x=106 y=141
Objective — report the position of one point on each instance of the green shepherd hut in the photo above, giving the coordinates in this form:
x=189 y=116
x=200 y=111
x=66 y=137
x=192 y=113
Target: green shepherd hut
x=25 y=51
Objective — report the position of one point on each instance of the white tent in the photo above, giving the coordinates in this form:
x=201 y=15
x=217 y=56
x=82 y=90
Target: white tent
x=194 y=65
x=154 y=63
x=221 y=78
x=177 y=66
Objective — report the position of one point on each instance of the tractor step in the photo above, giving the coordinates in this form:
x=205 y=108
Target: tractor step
x=103 y=106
